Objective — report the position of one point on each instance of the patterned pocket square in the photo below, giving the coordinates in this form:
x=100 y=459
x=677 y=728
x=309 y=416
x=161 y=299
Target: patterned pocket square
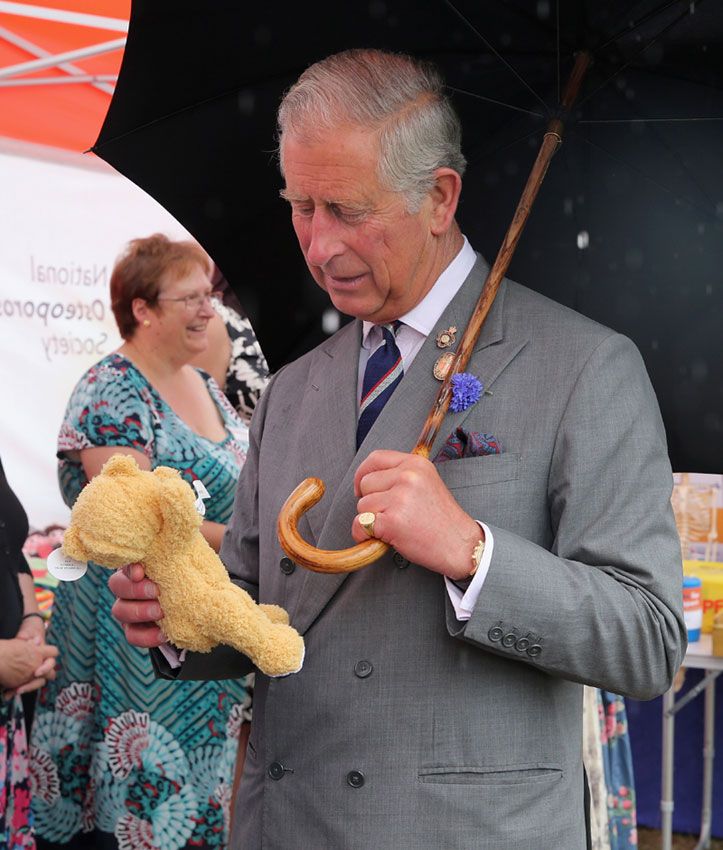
x=461 y=443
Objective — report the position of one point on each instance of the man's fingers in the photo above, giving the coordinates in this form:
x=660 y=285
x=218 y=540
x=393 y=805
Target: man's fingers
x=382 y=480
x=144 y=635
x=131 y=612
x=132 y=588
x=360 y=534
x=134 y=572
x=378 y=460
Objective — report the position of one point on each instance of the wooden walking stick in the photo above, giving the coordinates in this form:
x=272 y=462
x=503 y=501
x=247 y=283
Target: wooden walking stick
x=310 y=491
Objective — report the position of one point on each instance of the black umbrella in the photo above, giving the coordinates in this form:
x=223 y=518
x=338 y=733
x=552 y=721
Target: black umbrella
x=627 y=228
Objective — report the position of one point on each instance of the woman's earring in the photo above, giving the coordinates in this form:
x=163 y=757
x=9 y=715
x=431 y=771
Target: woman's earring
x=146 y=323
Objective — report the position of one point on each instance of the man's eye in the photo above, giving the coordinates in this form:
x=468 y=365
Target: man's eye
x=350 y=216
x=306 y=210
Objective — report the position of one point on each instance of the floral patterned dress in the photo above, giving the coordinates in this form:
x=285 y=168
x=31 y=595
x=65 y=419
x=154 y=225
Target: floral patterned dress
x=248 y=372
x=16 y=822
x=121 y=759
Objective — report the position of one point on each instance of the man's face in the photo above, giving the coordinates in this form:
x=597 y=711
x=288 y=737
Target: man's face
x=375 y=259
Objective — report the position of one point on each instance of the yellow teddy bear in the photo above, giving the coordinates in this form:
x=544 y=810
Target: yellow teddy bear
x=126 y=515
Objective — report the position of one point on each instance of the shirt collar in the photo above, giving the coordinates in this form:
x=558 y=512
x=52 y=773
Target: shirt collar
x=425 y=315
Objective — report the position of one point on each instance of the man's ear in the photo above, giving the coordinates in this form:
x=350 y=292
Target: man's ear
x=445 y=197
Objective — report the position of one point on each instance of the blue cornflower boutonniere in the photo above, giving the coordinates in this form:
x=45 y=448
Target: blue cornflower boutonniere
x=466 y=391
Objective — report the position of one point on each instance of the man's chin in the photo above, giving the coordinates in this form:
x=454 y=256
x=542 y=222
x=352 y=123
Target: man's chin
x=357 y=304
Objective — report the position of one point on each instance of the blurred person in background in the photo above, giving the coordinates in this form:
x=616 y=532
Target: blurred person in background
x=26 y=662
x=123 y=759
x=234 y=357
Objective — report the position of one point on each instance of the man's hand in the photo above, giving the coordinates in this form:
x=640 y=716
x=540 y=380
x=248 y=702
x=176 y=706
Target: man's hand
x=136 y=607
x=415 y=513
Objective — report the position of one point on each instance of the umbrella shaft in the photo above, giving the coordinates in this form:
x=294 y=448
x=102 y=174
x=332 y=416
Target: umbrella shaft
x=550 y=143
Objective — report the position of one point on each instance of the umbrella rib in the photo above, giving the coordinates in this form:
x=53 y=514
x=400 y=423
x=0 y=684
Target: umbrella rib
x=473 y=157
x=502 y=59
x=640 y=52
x=557 y=48
x=653 y=181
x=637 y=24
x=496 y=102
x=649 y=120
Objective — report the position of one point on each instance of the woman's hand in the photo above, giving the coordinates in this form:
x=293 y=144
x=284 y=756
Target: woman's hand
x=31 y=628
x=25 y=662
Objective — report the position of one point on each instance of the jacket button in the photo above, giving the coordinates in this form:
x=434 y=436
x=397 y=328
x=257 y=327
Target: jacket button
x=534 y=650
x=400 y=561
x=510 y=639
x=287 y=566
x=276 y=770
x=355 y=778
x=362 y=669
x=522 y=644
x=495 y=634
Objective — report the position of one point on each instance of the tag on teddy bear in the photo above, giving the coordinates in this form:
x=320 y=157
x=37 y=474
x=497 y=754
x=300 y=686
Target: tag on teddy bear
x=65 y=568
x=202 y=494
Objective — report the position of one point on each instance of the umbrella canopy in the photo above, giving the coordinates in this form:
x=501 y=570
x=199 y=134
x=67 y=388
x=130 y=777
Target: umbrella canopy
x=627 y=228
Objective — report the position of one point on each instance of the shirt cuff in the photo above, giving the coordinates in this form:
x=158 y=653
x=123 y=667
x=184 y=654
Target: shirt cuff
x=174 y=656
x=464 y=602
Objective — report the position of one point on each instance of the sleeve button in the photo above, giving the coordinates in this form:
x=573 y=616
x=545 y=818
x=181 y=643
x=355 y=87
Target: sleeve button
x=522 y=644
x=534 y=650
x=509 y=640
x=495 y=634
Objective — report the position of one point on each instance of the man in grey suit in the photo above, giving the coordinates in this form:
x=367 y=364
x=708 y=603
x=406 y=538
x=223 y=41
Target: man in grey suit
x=440 y=701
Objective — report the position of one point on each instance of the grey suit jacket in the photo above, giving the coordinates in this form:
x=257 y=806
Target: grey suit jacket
x=407 y=728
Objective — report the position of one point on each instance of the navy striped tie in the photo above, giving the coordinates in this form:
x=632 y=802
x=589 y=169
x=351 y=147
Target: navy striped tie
x=384 y=370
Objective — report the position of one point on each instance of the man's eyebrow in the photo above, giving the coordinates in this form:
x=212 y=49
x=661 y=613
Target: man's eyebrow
x=352 y=205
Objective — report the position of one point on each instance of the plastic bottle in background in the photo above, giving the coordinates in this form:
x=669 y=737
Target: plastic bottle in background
x=692 y=607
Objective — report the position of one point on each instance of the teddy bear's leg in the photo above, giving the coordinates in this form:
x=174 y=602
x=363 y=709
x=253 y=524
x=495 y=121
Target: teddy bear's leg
x=275 y=648
x=275 y=613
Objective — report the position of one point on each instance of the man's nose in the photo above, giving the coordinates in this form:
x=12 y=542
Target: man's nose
x=324 y=238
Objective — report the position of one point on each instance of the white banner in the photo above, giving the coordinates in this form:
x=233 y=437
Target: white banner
x=63 y=221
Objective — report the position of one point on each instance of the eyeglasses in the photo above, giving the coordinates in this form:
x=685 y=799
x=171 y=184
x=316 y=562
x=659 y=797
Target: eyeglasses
x=192 y=302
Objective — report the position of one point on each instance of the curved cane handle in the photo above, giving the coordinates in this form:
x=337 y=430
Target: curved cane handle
x=304 y=497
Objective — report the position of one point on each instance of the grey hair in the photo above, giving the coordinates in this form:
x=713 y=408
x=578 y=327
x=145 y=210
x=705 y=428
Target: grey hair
x=400 y=97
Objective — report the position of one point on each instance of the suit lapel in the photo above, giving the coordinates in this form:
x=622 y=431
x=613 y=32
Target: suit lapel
x=330 y=411
x=330 y=408
x=334 y=373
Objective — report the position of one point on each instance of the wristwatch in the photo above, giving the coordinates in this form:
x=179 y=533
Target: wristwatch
x=477 y=554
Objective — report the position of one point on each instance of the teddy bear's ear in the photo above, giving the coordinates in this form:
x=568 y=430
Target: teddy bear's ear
x=72 y=545
x=166 y=472
x=120 y=465
x=177 y=503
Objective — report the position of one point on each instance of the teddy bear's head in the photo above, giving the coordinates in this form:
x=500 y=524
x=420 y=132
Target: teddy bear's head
x=124 y=512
